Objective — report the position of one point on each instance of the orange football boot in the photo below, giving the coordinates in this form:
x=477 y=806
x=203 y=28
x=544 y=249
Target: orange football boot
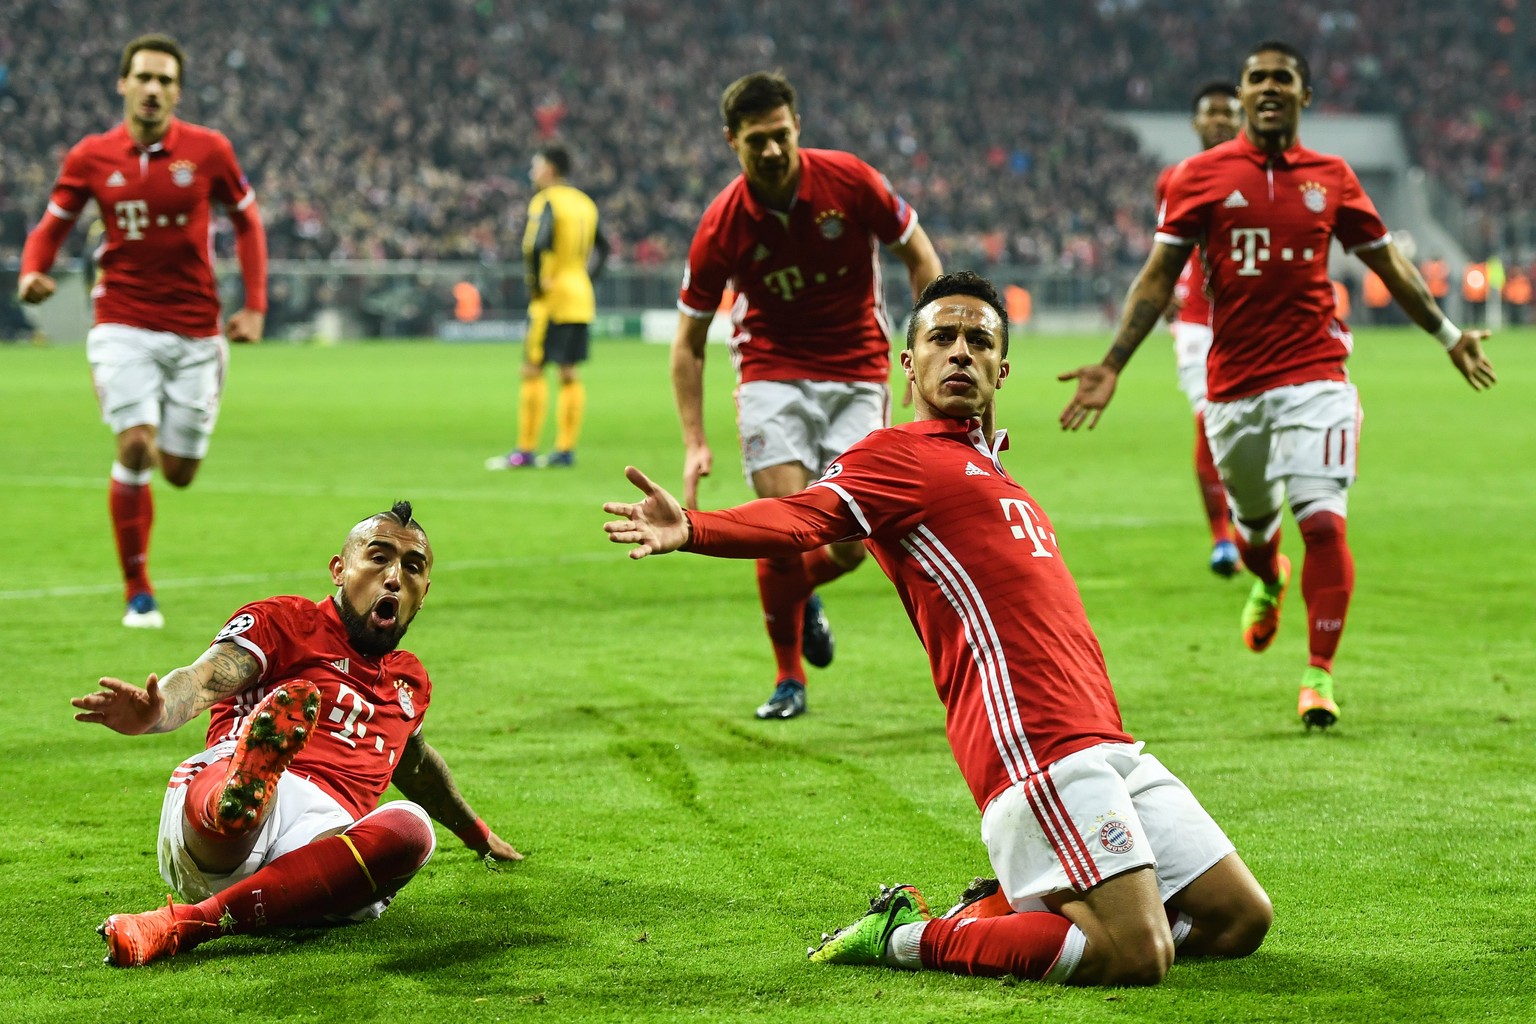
x=271 y=738
x=1261 y=615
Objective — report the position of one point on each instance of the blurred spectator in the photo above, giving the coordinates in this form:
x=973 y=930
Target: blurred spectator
x=386 y=129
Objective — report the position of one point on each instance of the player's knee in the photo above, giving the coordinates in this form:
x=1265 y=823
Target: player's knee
x=1246 y=931
x=394 y=841
x=1257 y=529
x=178 y=473
x=136 y=448
x=1141 y=956
x=1141 y=960
x=1319 y=525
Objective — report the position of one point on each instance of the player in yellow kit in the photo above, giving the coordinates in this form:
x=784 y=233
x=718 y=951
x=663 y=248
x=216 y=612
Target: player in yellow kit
x=564 y=249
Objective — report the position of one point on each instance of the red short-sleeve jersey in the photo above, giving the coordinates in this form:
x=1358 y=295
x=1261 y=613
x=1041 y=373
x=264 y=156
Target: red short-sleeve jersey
x=156 y=263
x=369 y=706
x=1194 y=304
x=1265 y=224
x=975 y=562
x=810 y=299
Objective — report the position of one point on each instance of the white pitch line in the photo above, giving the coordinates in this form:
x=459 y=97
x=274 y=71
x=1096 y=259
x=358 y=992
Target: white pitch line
x=193 y=582
x=78 y=483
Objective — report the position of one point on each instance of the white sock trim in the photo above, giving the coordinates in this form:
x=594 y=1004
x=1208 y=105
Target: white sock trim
x=133 y=477
x=904 y=948
x=1181 y=928
x=1067 y=960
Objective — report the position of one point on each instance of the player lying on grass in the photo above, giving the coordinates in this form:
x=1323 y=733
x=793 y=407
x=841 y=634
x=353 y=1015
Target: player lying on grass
x=1107 y=861
x=314 y=713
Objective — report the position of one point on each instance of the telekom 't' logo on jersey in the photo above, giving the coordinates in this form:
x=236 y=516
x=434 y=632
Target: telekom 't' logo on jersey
x=1017 y=511
x=785 y=283
x=132 y=217
x=1249 y=247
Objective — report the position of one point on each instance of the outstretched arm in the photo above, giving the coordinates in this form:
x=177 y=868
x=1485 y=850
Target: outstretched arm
x=162 y=705
x=765 y=528
x=423 y=776
x=1407 y=286
x=1144 y=306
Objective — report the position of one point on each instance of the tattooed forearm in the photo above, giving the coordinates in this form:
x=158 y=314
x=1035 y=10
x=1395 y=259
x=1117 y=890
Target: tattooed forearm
x=223 y=670
x=1148 y=298
x=1138 y=322
x=423 y=776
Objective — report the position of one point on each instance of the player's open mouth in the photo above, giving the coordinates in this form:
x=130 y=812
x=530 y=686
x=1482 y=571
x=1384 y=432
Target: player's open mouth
x=385 y=611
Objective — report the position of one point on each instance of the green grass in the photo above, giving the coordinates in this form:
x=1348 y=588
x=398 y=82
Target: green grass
x=681 y=855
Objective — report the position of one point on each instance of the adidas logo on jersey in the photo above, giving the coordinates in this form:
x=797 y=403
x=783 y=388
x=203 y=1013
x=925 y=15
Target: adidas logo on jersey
x=1234 y=201
x=116 y=180
x=971 y=469
x=342 y=665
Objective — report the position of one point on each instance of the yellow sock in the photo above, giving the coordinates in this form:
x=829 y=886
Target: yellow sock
x=530 y=412
x=570 y=406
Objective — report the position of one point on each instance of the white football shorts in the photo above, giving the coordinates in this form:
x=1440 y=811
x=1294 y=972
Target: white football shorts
x=167 y=381
x=300 y=813
x=1093 y=815
x=810 y=422
x=1191 y=344
x=1300 y=430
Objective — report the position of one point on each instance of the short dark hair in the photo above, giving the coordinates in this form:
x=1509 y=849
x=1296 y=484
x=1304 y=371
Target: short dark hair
x=1276 y=46
x=156 y=44
x=962 y=282
x=1218 y=87
x=754 y=94
x=557 y=157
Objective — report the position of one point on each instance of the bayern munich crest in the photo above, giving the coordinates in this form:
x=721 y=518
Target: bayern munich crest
x=237 y=625
x=1314 y=196
x=831 y=224
x=1116 y=836
x=403 y=693
x=181 y=172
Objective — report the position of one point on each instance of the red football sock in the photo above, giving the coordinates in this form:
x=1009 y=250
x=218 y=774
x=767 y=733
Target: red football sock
x=133 y=514
x=783 y=586
x=1023 y=945
x=1327 y=581
x=330 y=877
x=1212 y=490
x=820 y=568
x=203 y=791
x=1261 y=559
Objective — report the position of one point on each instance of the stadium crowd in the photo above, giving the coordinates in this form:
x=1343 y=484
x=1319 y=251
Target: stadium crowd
x=389 y=129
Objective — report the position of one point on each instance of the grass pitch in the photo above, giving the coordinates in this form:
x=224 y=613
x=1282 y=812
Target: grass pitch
x=682 y=855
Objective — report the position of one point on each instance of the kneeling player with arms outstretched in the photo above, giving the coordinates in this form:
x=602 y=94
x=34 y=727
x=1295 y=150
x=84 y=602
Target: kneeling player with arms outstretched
x=1106 y=862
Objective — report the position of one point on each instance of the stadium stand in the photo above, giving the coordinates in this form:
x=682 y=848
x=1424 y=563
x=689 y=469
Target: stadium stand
x=389 y=129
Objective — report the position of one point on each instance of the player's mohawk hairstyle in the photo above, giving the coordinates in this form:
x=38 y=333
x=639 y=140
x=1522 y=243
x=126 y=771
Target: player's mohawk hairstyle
x=400 y=512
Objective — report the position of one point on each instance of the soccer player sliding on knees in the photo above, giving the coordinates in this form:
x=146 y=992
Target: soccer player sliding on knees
x=1106 y=863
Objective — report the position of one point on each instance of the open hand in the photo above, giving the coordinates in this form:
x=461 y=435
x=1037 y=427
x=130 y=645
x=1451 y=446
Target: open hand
x=123 y=707
x=655 y=525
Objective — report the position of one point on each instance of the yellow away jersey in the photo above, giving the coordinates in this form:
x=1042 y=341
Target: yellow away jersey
x=557 y=245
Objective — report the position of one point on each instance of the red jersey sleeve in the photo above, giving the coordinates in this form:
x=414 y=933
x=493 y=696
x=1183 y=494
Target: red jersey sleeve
x=1358 y=226
x=1182 y=213
x=769 y=527
x=707 y=271
x=888 y=217
x=265 y=629
x=876 y=483
x=72 y=190
x=228 y=183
